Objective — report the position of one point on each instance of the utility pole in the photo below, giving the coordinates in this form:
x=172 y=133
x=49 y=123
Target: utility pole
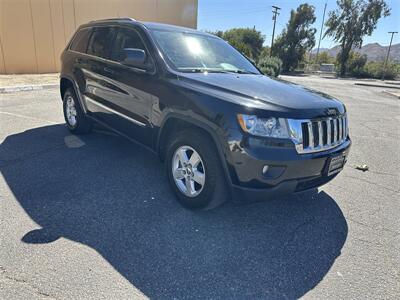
x=320 y=34
x=387 y=56
x=276 y=13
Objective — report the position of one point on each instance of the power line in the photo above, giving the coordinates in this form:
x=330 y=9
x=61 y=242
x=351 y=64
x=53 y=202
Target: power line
x=276 y=13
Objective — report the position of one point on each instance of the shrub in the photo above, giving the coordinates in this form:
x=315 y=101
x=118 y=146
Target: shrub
x=356 y=64
x=265 y=51
x=375 y=70
x=325 y=58
x=270 y=65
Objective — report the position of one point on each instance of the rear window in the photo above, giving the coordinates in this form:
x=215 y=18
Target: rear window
x=100 y=43
x=80 y=42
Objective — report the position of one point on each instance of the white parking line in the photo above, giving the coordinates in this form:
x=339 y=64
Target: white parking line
x=26 y=117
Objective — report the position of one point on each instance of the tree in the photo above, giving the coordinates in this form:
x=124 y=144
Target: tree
x=356 y=63
x=325 y=58
x=350 y=22
x=218 y=33
x=265 y=52
x=246 y=40
x=297 y=38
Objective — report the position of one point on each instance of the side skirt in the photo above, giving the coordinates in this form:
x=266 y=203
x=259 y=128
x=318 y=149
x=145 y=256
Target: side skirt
x=122 y=134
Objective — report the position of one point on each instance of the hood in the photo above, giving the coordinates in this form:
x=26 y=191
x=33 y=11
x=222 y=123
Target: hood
x=262 y=88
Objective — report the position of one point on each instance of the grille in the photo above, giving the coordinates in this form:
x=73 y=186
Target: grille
x=323 y=134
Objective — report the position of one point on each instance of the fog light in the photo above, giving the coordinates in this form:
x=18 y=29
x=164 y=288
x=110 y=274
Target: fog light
x=272 y=172
x=265 y=169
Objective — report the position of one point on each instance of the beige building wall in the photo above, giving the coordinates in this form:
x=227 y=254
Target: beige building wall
x=33 y=33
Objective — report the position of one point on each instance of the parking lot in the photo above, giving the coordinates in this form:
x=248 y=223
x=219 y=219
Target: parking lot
x=92 y=217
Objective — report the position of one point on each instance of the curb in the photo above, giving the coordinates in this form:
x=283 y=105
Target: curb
x=378 y=85
x=24 y=88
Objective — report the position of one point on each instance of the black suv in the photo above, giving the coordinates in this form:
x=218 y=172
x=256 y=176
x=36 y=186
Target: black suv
x=223 y=128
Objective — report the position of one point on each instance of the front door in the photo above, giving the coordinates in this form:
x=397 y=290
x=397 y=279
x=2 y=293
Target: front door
x=128 y=92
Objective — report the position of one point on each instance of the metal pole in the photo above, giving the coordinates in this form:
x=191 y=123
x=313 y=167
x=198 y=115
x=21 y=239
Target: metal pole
x=387 y=56
x=320 y=34
x=275 y=12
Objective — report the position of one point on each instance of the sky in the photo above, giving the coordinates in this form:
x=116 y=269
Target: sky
x=226 y=14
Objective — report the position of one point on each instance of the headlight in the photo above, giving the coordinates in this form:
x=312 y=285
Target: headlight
x=268 y=127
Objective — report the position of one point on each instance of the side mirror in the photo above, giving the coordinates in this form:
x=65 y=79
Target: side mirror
x=135 y=58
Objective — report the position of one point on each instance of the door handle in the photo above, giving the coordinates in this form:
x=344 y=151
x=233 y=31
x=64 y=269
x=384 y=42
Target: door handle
x=108 y=70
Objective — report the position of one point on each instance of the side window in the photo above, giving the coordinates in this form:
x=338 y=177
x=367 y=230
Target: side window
x=80 y=42
x=101 y=41
x=126 y=38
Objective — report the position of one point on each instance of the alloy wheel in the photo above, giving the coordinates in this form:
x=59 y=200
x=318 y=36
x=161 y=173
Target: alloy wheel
x=188 y=171
x=70 y=111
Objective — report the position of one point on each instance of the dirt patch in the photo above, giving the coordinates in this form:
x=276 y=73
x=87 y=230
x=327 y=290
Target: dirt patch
x=28 y=79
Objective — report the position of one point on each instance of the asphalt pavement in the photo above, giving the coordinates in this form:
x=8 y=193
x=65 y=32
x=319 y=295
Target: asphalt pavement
x=92 y=216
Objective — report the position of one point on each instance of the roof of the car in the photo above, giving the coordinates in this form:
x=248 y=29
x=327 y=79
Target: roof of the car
x=148 y=25
x=168 y=27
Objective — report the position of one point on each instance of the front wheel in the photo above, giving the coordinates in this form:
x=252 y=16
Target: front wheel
x=194 y=170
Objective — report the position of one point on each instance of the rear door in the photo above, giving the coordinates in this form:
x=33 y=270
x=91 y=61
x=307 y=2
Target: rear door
x=79 y=60
x=97 y=87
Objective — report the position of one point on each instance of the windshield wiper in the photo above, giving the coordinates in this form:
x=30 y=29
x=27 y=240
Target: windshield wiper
x=212 y=70
x=202 y=70
x=239 y=71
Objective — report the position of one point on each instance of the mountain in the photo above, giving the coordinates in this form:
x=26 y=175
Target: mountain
x=374 y=51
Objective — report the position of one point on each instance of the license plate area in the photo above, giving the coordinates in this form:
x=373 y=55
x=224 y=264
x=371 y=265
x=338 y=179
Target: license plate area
x=336 y=164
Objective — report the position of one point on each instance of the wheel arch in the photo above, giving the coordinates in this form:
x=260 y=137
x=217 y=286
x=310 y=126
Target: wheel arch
x=175 y=122
x=67 y=82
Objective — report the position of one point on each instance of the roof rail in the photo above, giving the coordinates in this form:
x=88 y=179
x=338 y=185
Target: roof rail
x=114 y=19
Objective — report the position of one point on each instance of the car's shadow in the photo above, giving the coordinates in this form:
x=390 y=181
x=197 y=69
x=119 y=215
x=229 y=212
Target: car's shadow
x=112 y=195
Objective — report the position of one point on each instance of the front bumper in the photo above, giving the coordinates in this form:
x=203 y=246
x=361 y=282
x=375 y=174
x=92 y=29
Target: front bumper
x=287 y=172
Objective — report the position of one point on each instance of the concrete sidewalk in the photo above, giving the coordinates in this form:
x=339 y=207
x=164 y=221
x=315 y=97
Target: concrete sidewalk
x=28 y=82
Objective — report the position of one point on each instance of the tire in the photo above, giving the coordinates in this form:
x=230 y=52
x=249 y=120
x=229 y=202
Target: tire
x=76 y=120
x=214 y=191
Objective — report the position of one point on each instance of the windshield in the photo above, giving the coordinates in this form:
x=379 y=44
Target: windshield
x=189 y=52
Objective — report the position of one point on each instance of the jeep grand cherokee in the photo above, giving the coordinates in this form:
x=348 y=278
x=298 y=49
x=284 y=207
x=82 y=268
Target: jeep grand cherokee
x=222 y=127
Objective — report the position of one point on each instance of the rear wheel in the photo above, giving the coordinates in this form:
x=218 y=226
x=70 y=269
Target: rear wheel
x=76 y=120
x=194 y=170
